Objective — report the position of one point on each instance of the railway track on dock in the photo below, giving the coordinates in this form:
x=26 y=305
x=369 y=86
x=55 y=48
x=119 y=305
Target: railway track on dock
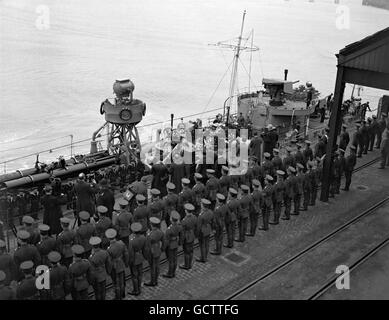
x=310 y=248
x=330 y=283
x=196 y=245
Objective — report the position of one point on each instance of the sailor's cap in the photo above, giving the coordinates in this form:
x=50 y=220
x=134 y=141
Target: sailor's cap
x=245 y=188
x=225 y=168
x=84 y=215
x=205 y=201
x=374 y=116
x=344 y=125
x=94 y=241
x=384 y=114
x=189 y=206
x=78 y=249
x=299 y=165
x=185 y=181
x=341 y=150
x=28 y=220
x=102 y=209
x=256 y=182
x=23 y=235
x=269 y=178
x=140 y=197
x=154 y=220
x=136 y=227
x=298 y=145
x=352 y=147
x=174 y=215
x=64 y=220
x=110 y=233
x=170 y=186
x=291 y=169
x=210 y=171
x=43 y=228
x=232 y=191
x=280 y=172
x=27 y=265
x=266 y=155
x=220 y=196
x=155 y=192
x=2 y=275
x=123 y=202
x=54 y=256
x=276 y=150
x=358 y=123
x=198 y=175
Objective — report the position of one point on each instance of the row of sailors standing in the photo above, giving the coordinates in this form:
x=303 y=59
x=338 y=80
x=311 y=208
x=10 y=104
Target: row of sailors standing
x=93 y=251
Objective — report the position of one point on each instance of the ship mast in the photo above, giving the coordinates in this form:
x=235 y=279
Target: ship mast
x=234 y=73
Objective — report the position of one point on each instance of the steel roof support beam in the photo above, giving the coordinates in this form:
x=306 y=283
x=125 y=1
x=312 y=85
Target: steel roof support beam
x=335 y=122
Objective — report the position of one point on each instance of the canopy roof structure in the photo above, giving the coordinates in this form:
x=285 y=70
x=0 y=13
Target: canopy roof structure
x=365 y=63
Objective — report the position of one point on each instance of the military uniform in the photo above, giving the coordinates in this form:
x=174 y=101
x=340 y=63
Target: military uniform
x=289 y=194
x=84 y=232
x=189 y=231
x=268 y=165
x=101 y=266
x=28 y=226
x=313 y=176
x=79 y=274
x=256 y=208
x=46 y=245
x=65 y=240
x=26 y=288
x=212 y=187
x=380 y=130
x=140 y=213
x=299 y=156
x=123 y=222
x=365 y=137
x=245 y=206
x=306 y=190
x=155 y=208
x=7 y=265
x=185 y=196
x=277 y=161
x=278 y=196
x=6 y=293
x=350 y=163
x=154 y=246
x=173 y=238
x=204 y=228
x=225 y=181
x=118 y=252
x=136 y=253
x=308 y=152
x=299 y=182
x=374 y=132
x=219 y=216
x=268 y=192
x=170 y=202
x=25 y=252
x=59 y=278
x=103 y=225
x=288 y=161
x=230 y=221
x=335 y=175
x=344 y=139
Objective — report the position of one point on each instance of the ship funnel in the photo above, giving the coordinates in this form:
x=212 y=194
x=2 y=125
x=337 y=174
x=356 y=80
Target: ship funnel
x=286 y=74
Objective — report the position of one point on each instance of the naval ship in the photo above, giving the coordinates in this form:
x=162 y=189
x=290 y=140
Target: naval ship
x=278 y=105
